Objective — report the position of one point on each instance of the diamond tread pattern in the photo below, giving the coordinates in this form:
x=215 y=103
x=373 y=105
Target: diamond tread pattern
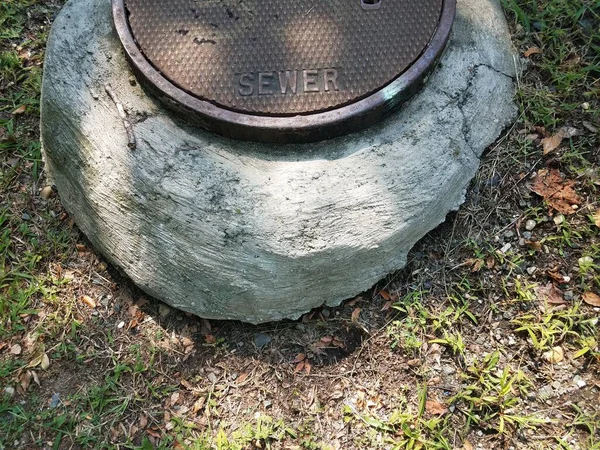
x=205 y=46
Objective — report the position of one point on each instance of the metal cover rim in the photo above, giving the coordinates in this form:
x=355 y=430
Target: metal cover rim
x=295 y=128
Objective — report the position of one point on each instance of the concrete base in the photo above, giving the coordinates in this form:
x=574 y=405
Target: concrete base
x=256 y=232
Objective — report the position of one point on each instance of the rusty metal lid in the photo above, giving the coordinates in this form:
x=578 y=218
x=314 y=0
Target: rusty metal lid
x=283 y=70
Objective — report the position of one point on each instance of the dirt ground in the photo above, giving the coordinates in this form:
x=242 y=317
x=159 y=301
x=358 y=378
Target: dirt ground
x=488 y=339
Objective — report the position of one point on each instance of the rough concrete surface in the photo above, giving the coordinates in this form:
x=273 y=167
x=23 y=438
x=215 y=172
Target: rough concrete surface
x=257 y=232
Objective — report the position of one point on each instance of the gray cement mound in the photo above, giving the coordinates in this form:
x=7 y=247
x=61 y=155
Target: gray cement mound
x=257 y=232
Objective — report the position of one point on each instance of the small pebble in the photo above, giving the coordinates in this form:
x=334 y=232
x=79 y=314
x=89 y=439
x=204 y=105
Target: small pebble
x=9 y=391
x=554 y=355
x=527 y=235
x=509 y=235
x=163 y=310
x=558 y=219
x=55 y=400
x=585 y=106
x=579 y=382
x=261 y=339
x=448 y=369
x=47 y=192
x=531 y=270
x=568 y=295
x=530 y=225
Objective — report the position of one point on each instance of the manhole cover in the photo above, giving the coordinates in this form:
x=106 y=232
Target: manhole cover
x=283 y=70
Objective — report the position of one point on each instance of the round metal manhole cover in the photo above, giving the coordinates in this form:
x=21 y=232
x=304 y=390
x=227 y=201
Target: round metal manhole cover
x=283 y=70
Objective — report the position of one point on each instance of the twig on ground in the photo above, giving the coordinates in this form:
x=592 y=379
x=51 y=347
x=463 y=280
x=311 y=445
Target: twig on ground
x=131 y=143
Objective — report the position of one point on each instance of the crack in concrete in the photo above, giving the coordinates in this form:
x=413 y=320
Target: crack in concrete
x=461 y=99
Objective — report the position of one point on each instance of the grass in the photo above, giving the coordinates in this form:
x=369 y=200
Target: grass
x=453 y=349
x=567 y=34
x=554 y=326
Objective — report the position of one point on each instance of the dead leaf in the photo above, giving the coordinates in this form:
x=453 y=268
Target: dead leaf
x=35 y=377
x=198 y=405
x=45 y=362
x=300 y=357
x=299 y=367
x=532 y=51
x=153 y=432
x=210 y=339
x=355 y=315
x=327 y=339
x=307 y=367
x=88 y=301
x=477 y=266
x=25 y=379
x=490 y=262
x=551 y=143
x=467 y=445
x=591 y=299
x=355 y=300
x=550 y=294
x=242 y=377
x=37 y=359
x=15 y=349
x=186 y=341
x=174 y=398
x=561 y=279
x=596 y=218
x=413 y=362
x=554 y=355
x=385 y=295
x=20 y=110
x=435 y=408
x=387 y=306
x=132 y=324
x=556 y=191
x=535 y=245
